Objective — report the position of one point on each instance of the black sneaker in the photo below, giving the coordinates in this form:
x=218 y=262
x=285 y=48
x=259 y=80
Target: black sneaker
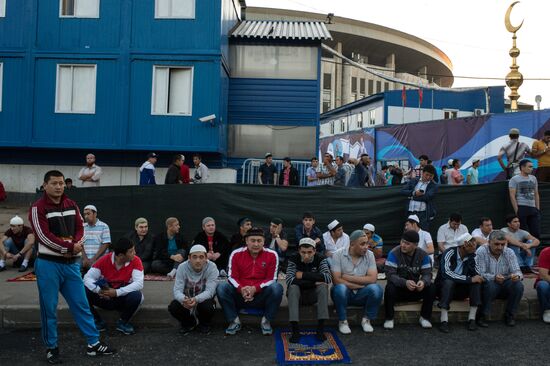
x=509 y=320
x=472 y=325
x=100 y=349
x=52 y=356
x=444 y=327
x=184 y=330
x=203 y=328
x=480 y=321
x=23 y=268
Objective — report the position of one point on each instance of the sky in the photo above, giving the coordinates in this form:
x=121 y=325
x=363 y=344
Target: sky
x=470 y=32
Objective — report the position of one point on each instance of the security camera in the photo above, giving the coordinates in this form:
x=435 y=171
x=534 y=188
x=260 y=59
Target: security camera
x=209 y=118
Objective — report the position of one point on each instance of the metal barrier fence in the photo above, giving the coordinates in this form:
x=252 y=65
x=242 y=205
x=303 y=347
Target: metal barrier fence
x=251 y=167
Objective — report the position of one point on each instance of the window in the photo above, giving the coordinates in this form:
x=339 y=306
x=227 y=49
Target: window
x=360 y=120
x=2 y=8
x=332 y=127
x=172 y=90
x=372 y=117
x=378 y=86
x=362 y=87
x=449 y=114
x=75 y=89
x=1 y=74
x=327 y=81
x=174 y=9
x=343 y=124
x=371 y=87
x=327 y=105
x=386 y=86
x=79 y=8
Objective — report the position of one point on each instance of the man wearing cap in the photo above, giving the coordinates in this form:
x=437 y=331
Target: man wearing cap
x=173 y=175
x=376 y=244
x=501 y=275
x=307 y=229
x=17 y=244
x=97 y=237
x=514 y=151
x=409 y=273
x=184 y=171
x=459 y=278
x=307 y=279
x=425 y=241
x=523 y=190
x=201 y=170
x=473 y=174
x=218 y=246
x=252 y=283
x=143 y=241
x=354 y=275
x=421 y=194
x=90 y=175
x=276 y=239
x=169 y=249
x=335 y=238
x=541 y=151
x=147 y=170
x=237 y=240
x=115 y=282
x=267 y=173
x=194 y=291
x=448 y=234
x=289 y=174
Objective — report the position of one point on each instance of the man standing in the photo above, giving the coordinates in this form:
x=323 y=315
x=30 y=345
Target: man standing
x=459 y=278
x=456 y=177
x=311 y=173
x=381 y=180
x=169 y=249
x=218 y=248
x=522 y=243
x=543 y=284
x=252 y=283
x=289 y=174
x=514 y=151
x=194 y=292
x=335 y=238
x=307 y=279
x=541 y=151
x=173 y=175
x=365 y=160
x=58 y=226
x=114 y=283
x=359 y=175
x=524 y=196
x=97 y=237
x=473 y=173
x=340 y=177
x=147 y=170
x=409 y=273
x=267 y=174
x=502 y=277
x=425 y=241
x=328 y=171
x=184 y=170
x=143 y=241
x=449 y=233
x=17 y=244
x=90 y=175
x=354 y=274
x=416 y=172
x=421 y=194
x=201 y=170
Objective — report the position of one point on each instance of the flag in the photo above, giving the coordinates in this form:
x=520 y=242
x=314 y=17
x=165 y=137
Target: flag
x=420 y=96
x=404 y=96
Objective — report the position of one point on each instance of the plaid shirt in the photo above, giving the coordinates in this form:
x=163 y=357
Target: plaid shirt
x=489 y=266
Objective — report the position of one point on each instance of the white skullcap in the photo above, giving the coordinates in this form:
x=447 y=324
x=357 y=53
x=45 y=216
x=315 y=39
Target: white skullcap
x=197 y=248
x=369 y=227
x=16 y=220
x=90 y=207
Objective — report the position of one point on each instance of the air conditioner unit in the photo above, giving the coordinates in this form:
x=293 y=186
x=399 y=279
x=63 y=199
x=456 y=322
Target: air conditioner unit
x=479 y=111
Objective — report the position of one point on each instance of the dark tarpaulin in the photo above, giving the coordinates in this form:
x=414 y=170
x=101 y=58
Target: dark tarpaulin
x=384 y=207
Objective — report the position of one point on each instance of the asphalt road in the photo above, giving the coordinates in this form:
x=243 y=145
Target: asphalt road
x=526 y=344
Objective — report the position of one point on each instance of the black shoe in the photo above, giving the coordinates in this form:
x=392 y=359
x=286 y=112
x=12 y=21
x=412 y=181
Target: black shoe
x=203 y=328
x=320 y=336
x=100 y=349
x=186 y=329
x=52 y=356
x=509 y=320
x=472 y=325
x=23 y=268
x=3 y=268
x=295 y=338
x=444 y=327
x=480 y=321
x=527 y=270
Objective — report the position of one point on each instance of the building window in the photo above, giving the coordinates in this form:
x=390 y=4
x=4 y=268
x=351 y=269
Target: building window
x=327 y=81
x=2 y=8
x=362 y=87
x=174 y=9
x=1 y=82
x=450 y=114
x=371 y=87
x=372 y=117
x=360 y=120
x=75 y=89
x=386 y=86
x=172 y=91
x=79 y=8
x=327 y=105
x=378 y=86
x=332 y=127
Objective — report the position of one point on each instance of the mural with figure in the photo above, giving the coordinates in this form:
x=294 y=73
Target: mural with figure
x=349 y=145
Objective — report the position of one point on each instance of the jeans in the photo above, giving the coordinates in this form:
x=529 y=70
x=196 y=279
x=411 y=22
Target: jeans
x=231 y=301
x=529 y=218
x=513 y=291
x=521 y=255
x=543 y=293
x=126 y=305
x=369 y=297
x=394 y=294
x=204 y=312
x=450 y=290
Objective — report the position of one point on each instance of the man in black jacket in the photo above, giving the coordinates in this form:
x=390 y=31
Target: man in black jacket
x=143 y=241
x=173 y=175
x=307 y=277
x=459 y=278
x=421 y=193
x=170 y=249
x=288 y=175
x=216 y=244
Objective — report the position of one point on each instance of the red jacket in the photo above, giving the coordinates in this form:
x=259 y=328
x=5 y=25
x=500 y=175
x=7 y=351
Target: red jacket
x=260 y=272
x=57 y=226
x=184 y=169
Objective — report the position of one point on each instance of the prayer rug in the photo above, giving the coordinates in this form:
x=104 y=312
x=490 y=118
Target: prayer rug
x=309 y=351
x=156 y=277
x=23 y=278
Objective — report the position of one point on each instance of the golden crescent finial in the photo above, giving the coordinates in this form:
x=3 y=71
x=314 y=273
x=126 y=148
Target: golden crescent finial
x=507 y=22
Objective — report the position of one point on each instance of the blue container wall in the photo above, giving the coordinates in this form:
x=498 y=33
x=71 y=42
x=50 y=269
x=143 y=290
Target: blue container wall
x=15 y=27
x=11 y=124
x=230 y=15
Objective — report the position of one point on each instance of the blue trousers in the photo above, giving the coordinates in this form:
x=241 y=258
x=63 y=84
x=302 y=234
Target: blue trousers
x=53 y=278
x=543 y=293
x=126 y=305
x=521 y=255
x=510 y=290
x=231 y=301
x=369 y=297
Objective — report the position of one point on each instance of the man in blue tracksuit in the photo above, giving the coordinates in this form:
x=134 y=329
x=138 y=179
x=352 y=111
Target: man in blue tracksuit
x=59 y=231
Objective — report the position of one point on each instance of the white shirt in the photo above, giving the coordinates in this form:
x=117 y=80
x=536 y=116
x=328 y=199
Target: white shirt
x=477 y=233
x=448 y=235
x=418 y=205
x=425 y=238
x=95 y=178
x=331 y=246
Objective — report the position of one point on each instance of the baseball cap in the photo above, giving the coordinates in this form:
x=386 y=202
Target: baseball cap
x=513 y=131
x=267 y=155
x=152 y=155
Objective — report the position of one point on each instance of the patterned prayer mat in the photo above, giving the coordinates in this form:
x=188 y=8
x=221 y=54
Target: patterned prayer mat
x=32 y=277
x=309 y=351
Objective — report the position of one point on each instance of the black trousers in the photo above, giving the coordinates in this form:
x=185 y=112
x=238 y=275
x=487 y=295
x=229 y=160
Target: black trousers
x=394 y=294
x=450 y=290
x=205 y=312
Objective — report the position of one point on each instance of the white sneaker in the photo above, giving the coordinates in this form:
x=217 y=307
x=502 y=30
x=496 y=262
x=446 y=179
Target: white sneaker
x=343 y=327
x=172 y=273
x=546 y=316
x=425 y=323
x=388 y=324
x=367 y=328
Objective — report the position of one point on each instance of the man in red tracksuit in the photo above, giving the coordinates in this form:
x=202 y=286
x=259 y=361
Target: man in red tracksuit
x=252 y=283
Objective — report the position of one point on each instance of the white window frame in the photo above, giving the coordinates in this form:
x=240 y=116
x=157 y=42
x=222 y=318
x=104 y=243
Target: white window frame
x=167 y=91
x=2 y=8
x=1 y=82
x=372 y=117
x=175 y=17
x=94 y=16
x=359 y=120
x=72 y=80
x=332 y=127
x=453 y=113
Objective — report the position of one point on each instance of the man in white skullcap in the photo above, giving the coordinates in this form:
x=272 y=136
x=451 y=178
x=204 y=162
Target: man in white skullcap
x=97 y=237
x=335 y=238
x=17 y=244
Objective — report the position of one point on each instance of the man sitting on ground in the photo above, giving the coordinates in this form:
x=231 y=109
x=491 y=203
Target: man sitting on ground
x=17 y=244
x=307 y=229
x=276 y=239
x=169 y=249
x=481 y=234
x=376 y=244
x=498 y=265
x=97 y=235
x=115 y=282
x=335 y=238
x=216 y=243
x=307 y=279
x=194 y=292
x=409 y=273
x=425 y=241
x=143 y=241
x=459 y=278
x=448 y=233
x=522 y=243
x=354 y=275
x=237 y=240
x=252 y=283
x=543 y=284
